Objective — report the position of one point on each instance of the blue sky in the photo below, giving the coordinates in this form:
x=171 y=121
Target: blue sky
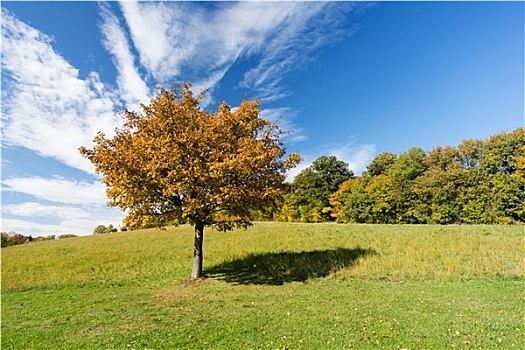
x=350 y=79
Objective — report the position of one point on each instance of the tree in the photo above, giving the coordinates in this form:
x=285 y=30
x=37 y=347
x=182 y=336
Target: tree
x=174 y=163
x=508 y=198
x=408 y=165
x=437 y=194
x=352 y=202
x=441 y=159
x=312 y=187
x=100 y=230
x=470 y=153
x=501 y=152
x=381 y=163
x=382 y=204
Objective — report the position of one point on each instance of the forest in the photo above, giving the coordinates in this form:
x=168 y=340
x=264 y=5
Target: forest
x=477 y=182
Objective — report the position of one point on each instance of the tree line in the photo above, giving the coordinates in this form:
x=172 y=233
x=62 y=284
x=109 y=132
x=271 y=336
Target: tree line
x=477 y=182
x=12 y=238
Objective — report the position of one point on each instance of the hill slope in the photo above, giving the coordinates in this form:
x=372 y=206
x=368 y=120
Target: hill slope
x=275 y=285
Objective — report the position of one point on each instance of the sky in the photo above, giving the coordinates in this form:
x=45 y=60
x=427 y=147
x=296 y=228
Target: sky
x=347 y=79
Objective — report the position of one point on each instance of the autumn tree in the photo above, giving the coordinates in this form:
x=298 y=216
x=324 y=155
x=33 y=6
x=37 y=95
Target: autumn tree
x=174 y=162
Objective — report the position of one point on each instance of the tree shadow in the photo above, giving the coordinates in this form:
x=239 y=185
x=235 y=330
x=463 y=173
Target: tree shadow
x=279 y=268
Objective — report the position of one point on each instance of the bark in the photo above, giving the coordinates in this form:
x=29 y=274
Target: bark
x=197 y=250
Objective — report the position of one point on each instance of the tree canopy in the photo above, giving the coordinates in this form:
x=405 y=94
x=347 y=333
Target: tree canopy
x=174 y=162
x=312 y=187
x=478 y=182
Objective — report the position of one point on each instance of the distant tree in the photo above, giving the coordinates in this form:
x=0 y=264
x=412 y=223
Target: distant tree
x=437 y=194
x=174 y=162
x=5 y=239
x=508 y=198
x=67 y=235
x=380 y=192
x=494 y=190
x=520 y=162
x=12 y=238
x=100 y=230
x=111 y=229
x=407 y=167
x=312 y=187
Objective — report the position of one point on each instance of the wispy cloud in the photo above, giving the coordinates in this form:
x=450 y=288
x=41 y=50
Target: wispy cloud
x=46 y=106
x=151 y=29
x=77 y=207
x=306 y=28
x=58 y=190
x=203 y=46
x=132 y=88
x=32 y=209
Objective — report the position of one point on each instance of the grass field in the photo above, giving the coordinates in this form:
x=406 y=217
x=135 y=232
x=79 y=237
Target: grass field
x=273 y=286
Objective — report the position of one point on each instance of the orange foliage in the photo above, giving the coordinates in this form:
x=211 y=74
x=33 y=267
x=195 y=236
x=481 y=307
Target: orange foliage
x=176 y=163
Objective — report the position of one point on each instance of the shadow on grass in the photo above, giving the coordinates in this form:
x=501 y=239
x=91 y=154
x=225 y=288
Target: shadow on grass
x=279 y=268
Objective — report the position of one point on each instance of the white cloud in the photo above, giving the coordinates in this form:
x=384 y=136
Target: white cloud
x=58 y=190
x=177 y=39
x=79 y=227
x=49 y=109
x=133 y=90
x=29 y=228
x=36 y=219
x=46 y=106
x=149 y=25
x=32 y=209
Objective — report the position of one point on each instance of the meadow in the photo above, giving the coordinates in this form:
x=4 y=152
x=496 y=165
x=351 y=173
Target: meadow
x=273 y=286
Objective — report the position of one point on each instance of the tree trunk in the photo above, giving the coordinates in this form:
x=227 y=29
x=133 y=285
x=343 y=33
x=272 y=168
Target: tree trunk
x=197 y=250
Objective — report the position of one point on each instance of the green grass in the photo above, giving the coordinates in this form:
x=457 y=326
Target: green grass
x=274 y=286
